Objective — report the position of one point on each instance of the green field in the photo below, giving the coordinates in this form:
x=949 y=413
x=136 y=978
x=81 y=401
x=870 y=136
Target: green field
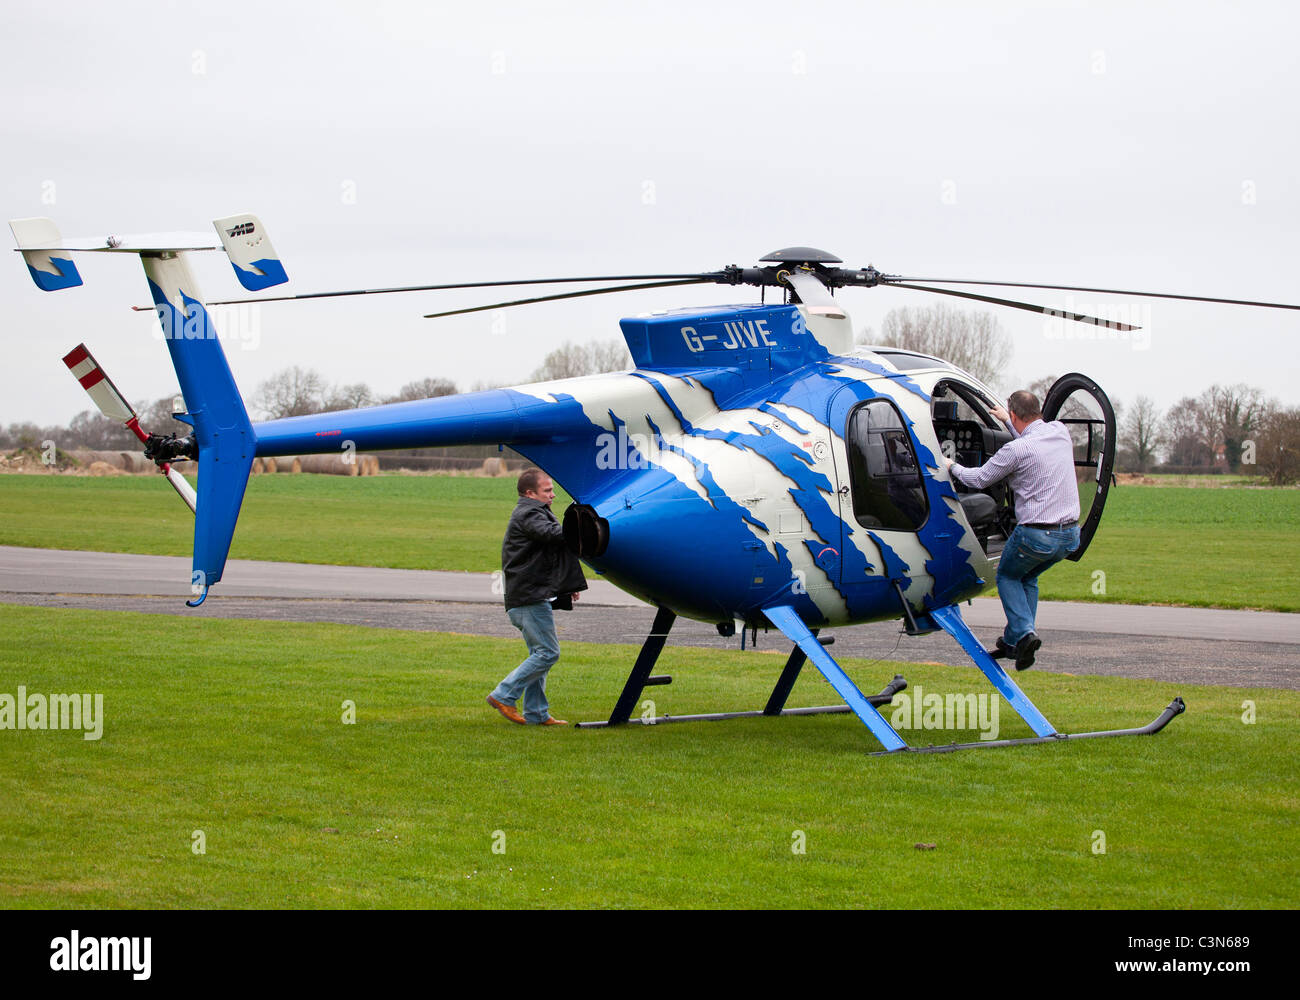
x=234 y=729
x=404 y=522
x=1221 y=547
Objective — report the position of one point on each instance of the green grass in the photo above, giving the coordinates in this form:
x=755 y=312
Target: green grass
x=1217 y=547
x=1210 y=547
x=403 y=522
x=234 y=728
x=1227 y=479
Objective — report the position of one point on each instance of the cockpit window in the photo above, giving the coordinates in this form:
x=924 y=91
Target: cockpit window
x=911 y=362
x=886 y=478
x=952 y=403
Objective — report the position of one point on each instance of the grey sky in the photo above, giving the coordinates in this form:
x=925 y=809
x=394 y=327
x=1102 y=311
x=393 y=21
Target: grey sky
x=1144 y=146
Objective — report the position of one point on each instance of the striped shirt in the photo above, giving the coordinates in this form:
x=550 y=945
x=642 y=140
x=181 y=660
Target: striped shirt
x=1039 y=467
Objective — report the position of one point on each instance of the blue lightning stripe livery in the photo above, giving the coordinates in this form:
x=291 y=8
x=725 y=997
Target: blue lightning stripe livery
x=68 y=277
x=272 y=273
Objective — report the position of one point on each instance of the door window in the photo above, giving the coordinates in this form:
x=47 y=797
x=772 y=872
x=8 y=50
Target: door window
x=885 y=476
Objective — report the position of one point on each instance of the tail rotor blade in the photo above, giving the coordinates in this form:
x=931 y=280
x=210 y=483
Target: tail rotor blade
x=182 y=486
x=99 y=387
x=110 y=401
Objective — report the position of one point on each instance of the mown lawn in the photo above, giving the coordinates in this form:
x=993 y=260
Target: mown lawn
x=229 y=735
x=404 y=522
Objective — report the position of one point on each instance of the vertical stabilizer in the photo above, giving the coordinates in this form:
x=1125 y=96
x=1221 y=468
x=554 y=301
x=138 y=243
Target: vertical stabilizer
x=255 y=261
x=222 y=429
x=41 y=244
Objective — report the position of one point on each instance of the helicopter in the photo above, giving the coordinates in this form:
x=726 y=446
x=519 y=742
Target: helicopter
x=754 y=467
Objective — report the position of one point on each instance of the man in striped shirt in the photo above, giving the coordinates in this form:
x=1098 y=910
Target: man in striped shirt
x=1039 y=467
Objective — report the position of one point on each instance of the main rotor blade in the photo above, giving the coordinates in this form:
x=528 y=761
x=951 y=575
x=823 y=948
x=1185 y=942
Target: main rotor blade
x=1027 y=306
x=1102 y=291
x=696 y=280
x=463 y=284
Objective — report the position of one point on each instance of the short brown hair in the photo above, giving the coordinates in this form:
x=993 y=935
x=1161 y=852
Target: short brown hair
x=1024 y=404
x=530 y=479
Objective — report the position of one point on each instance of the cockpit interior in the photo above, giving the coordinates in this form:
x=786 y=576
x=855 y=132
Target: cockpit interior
x=969 y=434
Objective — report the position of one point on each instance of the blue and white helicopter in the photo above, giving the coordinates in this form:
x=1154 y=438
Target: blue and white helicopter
x=754 y=467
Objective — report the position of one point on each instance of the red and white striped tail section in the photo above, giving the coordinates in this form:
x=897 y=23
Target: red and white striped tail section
x=98 y=385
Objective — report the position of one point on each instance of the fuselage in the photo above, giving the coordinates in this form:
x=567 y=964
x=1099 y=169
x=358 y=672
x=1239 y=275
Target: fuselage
x=726 y=489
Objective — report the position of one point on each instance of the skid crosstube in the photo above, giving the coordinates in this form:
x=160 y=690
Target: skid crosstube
x=640 y=678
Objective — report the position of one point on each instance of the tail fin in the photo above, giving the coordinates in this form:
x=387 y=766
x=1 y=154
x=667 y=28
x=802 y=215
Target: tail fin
x=255 y=261
x=221 y=426
x=42 y=248
x=223 y=432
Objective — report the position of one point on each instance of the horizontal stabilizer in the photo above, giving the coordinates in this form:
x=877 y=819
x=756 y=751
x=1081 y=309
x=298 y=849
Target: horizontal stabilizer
x=44 y=235
x=255 y=261
x=50 y=270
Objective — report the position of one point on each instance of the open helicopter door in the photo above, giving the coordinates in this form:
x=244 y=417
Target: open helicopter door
x=1092 y=425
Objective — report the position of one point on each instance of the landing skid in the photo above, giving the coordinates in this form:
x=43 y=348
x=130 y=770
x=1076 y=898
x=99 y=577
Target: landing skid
x=809 y=647
x=1175 y=707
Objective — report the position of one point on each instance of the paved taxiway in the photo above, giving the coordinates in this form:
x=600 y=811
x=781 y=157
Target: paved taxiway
x=1177 y=645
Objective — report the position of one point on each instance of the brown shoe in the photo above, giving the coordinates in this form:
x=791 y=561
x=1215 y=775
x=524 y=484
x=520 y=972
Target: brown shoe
x=509 y=711
x=553 y=721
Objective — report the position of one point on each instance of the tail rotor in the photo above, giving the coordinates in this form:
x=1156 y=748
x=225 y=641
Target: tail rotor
x=163 y=450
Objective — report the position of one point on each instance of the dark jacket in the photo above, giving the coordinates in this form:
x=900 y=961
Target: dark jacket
x=535 y=562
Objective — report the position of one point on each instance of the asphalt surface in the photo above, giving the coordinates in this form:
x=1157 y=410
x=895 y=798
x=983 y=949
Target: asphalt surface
x=1178 y=645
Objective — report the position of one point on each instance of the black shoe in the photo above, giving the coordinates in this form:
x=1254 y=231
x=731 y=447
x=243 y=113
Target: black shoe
x=1025 y=650
x=1001 y=651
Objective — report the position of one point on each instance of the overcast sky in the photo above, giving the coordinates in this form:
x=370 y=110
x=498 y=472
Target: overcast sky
x=1140 y=146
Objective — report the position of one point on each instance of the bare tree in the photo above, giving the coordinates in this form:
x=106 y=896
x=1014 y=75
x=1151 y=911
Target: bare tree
x=1277 y=445
x=291 y=392
x=1190 y=435
x=572 y=360
x=1039 y=387
x=1235 y=411
x=1141 y=433
x=425 y=388
x=973 y=341
x=91 y=429
x=29 y=435
x=350 y=397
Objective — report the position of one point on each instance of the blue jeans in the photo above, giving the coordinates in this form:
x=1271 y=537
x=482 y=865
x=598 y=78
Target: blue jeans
x=1027 y=553
x=537 y=623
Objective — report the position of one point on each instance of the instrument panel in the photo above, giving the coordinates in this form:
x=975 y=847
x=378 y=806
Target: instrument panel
x=967 y=437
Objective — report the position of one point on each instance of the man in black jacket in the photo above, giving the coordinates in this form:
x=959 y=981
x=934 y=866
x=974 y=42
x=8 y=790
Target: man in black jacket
x=537 y=567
